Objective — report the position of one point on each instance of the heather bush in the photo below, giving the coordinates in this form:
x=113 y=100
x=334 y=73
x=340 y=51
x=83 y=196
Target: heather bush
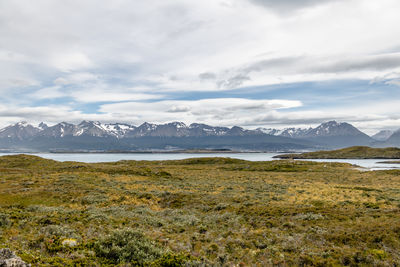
x=128 y=246
x=4 y=220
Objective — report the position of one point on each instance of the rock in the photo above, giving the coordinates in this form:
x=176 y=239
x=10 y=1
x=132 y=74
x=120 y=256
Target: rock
x=9 y=259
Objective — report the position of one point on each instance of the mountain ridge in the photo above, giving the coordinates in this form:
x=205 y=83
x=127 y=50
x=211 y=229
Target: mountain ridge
x=178 y=135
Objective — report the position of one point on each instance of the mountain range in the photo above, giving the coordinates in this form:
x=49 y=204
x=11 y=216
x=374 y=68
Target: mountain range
x=97 y=136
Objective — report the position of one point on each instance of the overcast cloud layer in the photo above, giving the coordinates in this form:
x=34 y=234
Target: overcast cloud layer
x=224 y=62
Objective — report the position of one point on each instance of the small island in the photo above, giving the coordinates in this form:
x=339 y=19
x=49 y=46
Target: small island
x=354 y=152
x=390 y=162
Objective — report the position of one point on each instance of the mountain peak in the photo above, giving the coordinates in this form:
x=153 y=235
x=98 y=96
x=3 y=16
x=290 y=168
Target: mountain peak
x=382 y=135
x=178 y=124
x=22 y=124
x=85 y=122
x=43 y=126
x=331 y=123
x=21 y=130
x=334 y=128
x=147 y=124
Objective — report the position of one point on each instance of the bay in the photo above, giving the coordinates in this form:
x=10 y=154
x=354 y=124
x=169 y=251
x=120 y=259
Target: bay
x=369 y=164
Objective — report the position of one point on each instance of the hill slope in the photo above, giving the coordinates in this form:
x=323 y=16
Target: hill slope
x=356 y=152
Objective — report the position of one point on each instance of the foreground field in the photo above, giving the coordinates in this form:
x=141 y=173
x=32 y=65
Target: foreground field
x=198 y=212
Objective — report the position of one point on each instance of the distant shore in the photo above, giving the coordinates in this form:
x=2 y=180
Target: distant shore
x=355 y=152
x=183 y=151
x=188 y=151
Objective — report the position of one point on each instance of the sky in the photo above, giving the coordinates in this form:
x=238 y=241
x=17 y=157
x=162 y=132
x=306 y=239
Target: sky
x=251 y=63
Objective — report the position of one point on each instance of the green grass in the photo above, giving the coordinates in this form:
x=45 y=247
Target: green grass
x=198 y=212
x=355 y=152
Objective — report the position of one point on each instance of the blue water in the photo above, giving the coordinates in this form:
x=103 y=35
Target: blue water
x=370 y=164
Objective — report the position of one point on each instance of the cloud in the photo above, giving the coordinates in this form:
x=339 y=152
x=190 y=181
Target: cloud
x=82 y=54
x=67 y=62
x=94 y=95
x=233 y=82
x=76 y=78
x=219 y=111
x=287 y=6
x=207 y=76
x=177 y=109
x=48 y=93
x=394 y=82
x=381 y=62
x=308 y=68
x=313 y=64
x=392 y=78
x=198 y=42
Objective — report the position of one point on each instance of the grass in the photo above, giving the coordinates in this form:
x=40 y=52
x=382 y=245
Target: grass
x=198 y=212
x=355 y=152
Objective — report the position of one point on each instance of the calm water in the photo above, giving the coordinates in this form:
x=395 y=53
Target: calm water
x=371 y=164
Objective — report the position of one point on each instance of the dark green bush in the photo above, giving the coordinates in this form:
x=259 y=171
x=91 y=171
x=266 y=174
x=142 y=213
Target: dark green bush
x=4 y=220
x=127 y=245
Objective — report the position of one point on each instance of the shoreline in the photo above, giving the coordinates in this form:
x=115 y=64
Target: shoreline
x=148 y=152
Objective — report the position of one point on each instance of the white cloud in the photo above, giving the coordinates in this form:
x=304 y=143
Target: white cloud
x=48 y=93
x=76 y=78
x=221 y=111
x=117 y=51
x=185 y=39
x=93 y=95
x=68 y=62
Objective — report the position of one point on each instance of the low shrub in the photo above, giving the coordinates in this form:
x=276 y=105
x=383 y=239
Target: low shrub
x=94 y=199
x=129 y=246
x=4 y=220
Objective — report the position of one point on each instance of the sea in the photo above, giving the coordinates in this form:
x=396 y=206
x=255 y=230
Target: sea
x=366 y=164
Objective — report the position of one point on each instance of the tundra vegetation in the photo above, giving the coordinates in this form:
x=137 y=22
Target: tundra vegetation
x=198 y=212
x=355 y=152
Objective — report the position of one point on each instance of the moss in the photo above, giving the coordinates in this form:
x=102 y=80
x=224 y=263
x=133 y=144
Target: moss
x=378 y=253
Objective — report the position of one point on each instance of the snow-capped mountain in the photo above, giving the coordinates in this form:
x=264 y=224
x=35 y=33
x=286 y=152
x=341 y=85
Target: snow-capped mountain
x=90 y=135
x=177 y=134
x=333 y=128
x=97 y=129
x=331 y=134
x=270 y=131
x=338 y=135
x=287 y=132
x=118 y=130
x=382 y=135
x=61 y=129
x=295 y=132
x=143 y=130
x=86 y=128
x=239 y=131
x=175 y=129
x=43 y=126
x=20 y=131
x=198 y=129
